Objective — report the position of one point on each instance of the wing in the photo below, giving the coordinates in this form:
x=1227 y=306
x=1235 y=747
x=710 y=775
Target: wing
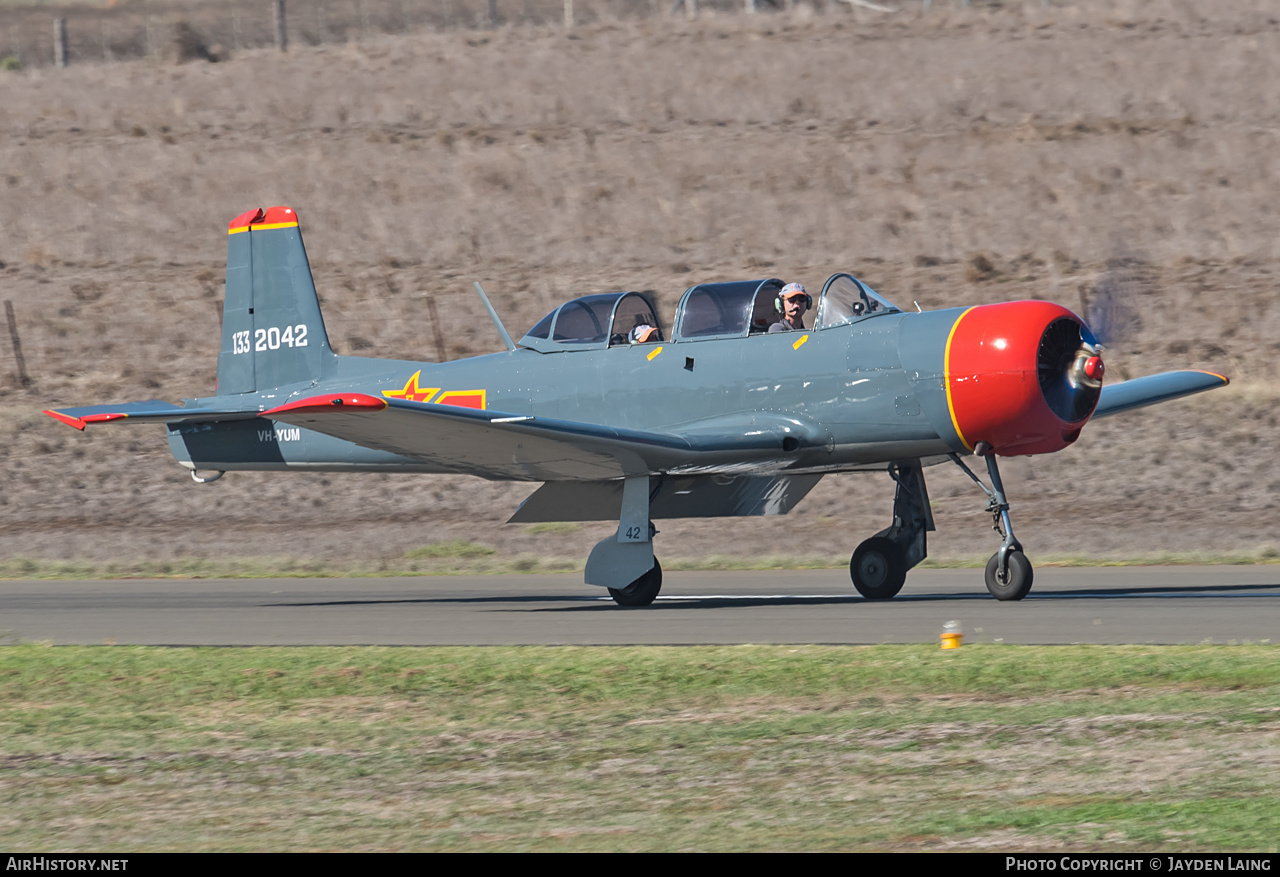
x=495 y=445
x=1141 y=392
x=151 y=411
x=700 y=496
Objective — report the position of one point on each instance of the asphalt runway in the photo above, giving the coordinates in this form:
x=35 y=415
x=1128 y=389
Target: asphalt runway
x=1222 y=604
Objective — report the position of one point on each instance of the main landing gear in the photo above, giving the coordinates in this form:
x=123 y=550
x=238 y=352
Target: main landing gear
x=642 y=591
x=879 y=565
x=624 y=563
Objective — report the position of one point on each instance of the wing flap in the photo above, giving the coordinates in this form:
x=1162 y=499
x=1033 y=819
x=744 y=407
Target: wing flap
x=1152 y=389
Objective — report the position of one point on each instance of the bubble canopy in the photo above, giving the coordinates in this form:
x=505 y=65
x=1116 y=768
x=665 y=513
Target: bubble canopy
x=593 y=321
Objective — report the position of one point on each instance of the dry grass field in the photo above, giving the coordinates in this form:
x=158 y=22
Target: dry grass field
x=1117 y=157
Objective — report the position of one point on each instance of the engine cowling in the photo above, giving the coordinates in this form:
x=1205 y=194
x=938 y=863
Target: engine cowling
x=1021 y=377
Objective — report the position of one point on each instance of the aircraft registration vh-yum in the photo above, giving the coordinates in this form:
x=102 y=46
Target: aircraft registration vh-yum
x=721 y=418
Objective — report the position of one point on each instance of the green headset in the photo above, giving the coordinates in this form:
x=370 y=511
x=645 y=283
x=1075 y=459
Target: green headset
x=777 y=301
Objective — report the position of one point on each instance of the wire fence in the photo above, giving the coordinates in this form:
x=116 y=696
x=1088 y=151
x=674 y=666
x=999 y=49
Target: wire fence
x=30 y=36
x=35 y=36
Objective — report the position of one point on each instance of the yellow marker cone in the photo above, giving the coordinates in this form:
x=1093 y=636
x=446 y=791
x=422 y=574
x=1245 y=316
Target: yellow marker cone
x=952 y=635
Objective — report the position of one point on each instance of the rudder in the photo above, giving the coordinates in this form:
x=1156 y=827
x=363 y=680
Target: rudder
x=272 y=331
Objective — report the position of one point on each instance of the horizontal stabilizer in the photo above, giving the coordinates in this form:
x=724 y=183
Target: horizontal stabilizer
x=701 y=496
x=1141 y=392
x=151 y=411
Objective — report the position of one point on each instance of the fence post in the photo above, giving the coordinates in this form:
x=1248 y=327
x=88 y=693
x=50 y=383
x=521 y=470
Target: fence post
x=441 y=355
x=17 y=345
x=749 y=7
x=60 y=42
x=282 y=32
x=493 y=13
x=568 y=13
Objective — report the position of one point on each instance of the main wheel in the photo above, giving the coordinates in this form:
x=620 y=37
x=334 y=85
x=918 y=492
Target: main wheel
x=878 y=569
x=1015 y=584
x=642 y=591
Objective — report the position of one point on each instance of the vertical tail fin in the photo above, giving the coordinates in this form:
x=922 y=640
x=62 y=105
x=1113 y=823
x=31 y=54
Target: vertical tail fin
x=272 y=331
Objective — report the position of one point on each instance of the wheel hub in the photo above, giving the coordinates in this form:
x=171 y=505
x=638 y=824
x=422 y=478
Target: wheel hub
x=873 y=569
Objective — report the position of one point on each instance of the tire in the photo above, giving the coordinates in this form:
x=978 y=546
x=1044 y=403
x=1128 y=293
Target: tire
x=878 y=569
x=1018 y=581
x=642 y=591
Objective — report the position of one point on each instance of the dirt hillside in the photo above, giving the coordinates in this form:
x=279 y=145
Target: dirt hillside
x=1120 y=158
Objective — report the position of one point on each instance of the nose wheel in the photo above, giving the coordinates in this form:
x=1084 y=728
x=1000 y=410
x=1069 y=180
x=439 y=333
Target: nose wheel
x=1015 y=581
x=1009 y=573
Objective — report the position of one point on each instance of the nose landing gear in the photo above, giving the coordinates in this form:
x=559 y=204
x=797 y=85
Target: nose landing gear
x=1009 y=574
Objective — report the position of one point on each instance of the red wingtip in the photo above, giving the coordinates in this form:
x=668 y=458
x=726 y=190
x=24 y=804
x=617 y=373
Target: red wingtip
x=67 y=419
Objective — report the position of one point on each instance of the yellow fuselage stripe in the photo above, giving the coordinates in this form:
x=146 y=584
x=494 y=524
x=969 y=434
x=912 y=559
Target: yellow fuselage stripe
x=946 y=379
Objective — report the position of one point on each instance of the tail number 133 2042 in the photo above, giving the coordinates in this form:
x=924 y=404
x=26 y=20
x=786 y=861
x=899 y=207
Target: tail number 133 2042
x=272 y=338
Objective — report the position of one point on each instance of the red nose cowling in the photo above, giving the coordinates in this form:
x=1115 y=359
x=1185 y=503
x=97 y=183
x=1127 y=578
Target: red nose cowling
x=1011 y=379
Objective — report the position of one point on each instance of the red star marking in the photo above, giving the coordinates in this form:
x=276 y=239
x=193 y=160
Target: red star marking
x=412 y=391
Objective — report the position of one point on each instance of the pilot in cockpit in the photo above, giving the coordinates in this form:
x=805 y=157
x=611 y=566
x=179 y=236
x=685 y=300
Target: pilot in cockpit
x=644 y=334
x=791 y=303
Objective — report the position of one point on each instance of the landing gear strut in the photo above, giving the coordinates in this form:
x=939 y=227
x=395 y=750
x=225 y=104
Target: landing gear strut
x=879 y=566
x=624 y=563
x=1009 y=573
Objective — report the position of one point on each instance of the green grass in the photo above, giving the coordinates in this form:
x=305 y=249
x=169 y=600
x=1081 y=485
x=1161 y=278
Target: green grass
x=460 y=557
x=708 y=748
x=452 y=549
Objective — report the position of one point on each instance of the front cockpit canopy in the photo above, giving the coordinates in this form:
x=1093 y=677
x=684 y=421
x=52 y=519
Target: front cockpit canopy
x=592 y=321
x=845 y=299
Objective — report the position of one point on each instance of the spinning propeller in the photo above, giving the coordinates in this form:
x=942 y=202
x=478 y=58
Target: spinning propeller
x=1070 y=369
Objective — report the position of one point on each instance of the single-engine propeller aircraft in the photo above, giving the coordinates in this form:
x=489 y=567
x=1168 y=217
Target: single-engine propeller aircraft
x=721 y=418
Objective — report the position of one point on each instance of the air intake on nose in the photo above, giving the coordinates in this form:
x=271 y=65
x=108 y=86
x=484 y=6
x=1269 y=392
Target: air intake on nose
x=1069 y=369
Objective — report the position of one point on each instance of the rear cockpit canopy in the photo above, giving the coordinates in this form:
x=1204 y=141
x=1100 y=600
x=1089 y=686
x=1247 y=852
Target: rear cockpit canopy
x=593 y=321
